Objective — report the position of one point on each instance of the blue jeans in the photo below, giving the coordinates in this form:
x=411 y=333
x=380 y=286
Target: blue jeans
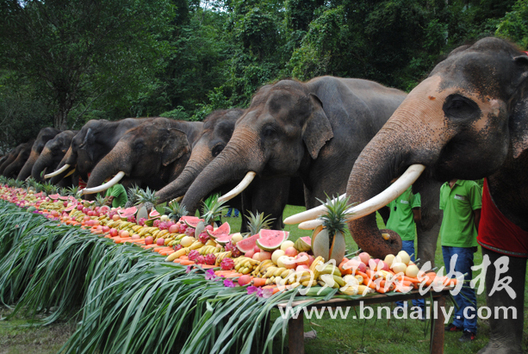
x=466 y=298
x=408 y=246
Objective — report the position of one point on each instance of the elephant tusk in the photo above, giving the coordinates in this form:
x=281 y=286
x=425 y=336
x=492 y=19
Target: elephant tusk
x=377 y=202
x=309 y=214
x=239 y=188
x=58 y=172
x=70 y=173
x=105 y=186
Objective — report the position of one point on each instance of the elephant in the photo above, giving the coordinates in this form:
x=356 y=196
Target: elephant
x=149 y=155
x=467 y=120
x=13 y=165
x=9 y=157
x=52 y=154
x=93 y=141
x=312 y=130
x=218 y=128
x=44 y=135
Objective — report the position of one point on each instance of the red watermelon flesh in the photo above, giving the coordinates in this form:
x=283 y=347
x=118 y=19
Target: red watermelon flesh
x=270 y=240
x=191 y=221
x=125 y=213
x=54 y=196
x=223 y=239
x=220 y=231
x=248 y=243
x=70 y=208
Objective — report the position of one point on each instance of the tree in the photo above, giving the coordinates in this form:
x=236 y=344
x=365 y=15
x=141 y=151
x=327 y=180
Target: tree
x=77 y=51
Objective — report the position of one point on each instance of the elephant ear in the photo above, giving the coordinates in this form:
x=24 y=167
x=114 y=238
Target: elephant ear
x=174 y=147
x=317 y=130
x=519 y=117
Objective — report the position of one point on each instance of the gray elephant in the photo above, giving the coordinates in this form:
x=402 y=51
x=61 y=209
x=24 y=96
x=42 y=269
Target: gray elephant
x=44 y=135
x=12 y=166
x=149 y=155
x=94 y=140
x=312 y=130
x=52 y=154
x=218 y=128
x=10 y=156
x=467 y=120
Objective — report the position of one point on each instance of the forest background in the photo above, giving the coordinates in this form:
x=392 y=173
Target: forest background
x=64 y=62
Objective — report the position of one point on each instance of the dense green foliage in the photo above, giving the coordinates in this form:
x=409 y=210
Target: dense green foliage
x=64 y=63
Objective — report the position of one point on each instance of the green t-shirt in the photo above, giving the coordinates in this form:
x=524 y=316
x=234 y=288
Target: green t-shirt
x=119 y=193
x=458 y=227
x=401 y=218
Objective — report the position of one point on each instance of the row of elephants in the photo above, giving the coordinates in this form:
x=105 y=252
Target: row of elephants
x=468 y=119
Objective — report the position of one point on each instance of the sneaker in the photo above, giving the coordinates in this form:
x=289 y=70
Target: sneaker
x=452 y=328
x=468 y=337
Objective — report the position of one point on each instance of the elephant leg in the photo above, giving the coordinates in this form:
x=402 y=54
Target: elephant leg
x=506 y=327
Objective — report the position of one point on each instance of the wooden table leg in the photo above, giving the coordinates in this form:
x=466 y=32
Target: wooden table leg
x=296 y=334
x=437 y=327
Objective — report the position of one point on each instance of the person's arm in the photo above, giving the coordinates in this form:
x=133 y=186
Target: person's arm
x=476 y=214
x=417 y=215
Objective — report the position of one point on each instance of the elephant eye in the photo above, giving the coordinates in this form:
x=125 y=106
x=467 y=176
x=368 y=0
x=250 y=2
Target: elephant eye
x=217 y=150
x=269 y=131
x=459 y=107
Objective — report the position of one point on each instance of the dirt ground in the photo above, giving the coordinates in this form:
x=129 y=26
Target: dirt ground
x=17 y=336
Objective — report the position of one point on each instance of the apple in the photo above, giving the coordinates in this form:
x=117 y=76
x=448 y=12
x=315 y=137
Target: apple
x=174 y=228
x=286 y=244
x=149 y=240
x=115 y=217
x=244 y=279
x=250 y=253
x=383 y=266
x=135 y=236
x=256 y=256
x=160 y=241
x=105 y=228
x=302 y=259
x=364 y=257
x=276 y=254
x=113 y=232
x=264 y=255
x=290 y=251
x=302 y=268
x=124 y=233
x=286 y=262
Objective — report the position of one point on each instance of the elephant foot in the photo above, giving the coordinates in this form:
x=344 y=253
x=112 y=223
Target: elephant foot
x=500 y=348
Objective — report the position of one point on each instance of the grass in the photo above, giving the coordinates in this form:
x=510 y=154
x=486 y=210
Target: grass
x=333 y=335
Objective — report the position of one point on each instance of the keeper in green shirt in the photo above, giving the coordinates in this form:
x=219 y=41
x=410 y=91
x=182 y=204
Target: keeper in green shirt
x=117 y=195
x=405 y=212
x=461 y=202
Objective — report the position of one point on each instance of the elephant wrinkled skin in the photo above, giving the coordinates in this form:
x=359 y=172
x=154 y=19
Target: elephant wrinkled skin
x=467 y=120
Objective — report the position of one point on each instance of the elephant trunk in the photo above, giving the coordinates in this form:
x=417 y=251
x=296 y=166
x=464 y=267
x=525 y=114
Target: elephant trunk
x=240 y=156
x=67 y=162
x=44 y=162
x=109 y=166
x=180 y=185
x=25 y=172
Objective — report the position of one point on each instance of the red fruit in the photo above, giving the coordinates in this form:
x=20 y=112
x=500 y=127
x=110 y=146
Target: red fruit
x=113 y=232
x=290 y=252
x=115 y=217
x=193 y=255
x=203 y=237
x=178 y=247
x=149 y=240
x=160 y=241
x=210 y=259
x=302 y=259
x=105 y=228
x=174 y=228
x=250 y=254
x=244 y=279
x=200 y=259
x=364 y=257
x=227 y=264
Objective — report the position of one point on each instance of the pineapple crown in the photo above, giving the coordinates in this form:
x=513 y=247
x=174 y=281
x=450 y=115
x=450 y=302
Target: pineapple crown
x=100 y=200
x=335 y=220
x=146 y=196
x=175 y=210
x=258 y=221
x=72 y=190
x=212 y=209
x=132 y=193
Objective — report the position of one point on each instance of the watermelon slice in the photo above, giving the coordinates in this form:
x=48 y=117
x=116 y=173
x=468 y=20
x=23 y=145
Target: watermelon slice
x=125 y=213
x=223 y=239
x=104 y=209
x=191 y=221
x=270 y=240
x=303 y=244
x=54 y=196
x=63 y=197
x=223 y=229
x=248 y=244
x=154 y=214
x=71 y=207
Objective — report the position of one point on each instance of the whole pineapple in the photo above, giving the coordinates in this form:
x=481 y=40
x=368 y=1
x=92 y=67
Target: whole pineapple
x=147 y=197
x=132 y=196
x=258 y=221
x=175 y=210
x=328 y=240
x=100 y=200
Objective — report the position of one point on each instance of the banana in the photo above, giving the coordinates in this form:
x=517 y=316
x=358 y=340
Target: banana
x=286 y=273
x=177 y=254
x=245 y=271
x=339 y=280
x=330 y=269
x=309 y=283
x=315 y=264
x=196 y=245
x=350 y=290
x=363 y=290
x=269 y=272
x=279 y=271
x=328 y=280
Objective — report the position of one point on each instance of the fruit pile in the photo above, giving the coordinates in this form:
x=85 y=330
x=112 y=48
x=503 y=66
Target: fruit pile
x=265 y=259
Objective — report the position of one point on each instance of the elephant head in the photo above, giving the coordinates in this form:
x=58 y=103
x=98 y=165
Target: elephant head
x=52 y=154
x=95 y=139
x=21 y=154
x=44 y=135
x=313 y=130
x=217 y=130
x=467 y=120
x=10 y=157
x=150 y=154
